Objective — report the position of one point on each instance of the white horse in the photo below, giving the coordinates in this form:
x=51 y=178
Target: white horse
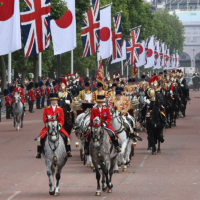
x=18 y=113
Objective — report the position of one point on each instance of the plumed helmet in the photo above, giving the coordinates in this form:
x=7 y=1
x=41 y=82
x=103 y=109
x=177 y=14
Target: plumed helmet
x=5 y=92
x=99 y=84
x=87 y=84
x=36 y=85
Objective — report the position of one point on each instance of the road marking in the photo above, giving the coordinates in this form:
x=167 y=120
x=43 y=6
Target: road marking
x=142 y=163
x=15 y=194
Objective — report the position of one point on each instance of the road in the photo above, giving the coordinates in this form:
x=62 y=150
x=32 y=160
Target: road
x=172 y=175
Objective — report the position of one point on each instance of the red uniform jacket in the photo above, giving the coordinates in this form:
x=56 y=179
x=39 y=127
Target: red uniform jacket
x=31 y=95
x=21 y=92
x=103 y=115
x=61 y=120
x=42 y=92
x=38 y=94
x=12 y=96
x=48 y=91
x=8 y=101
x=55 y=89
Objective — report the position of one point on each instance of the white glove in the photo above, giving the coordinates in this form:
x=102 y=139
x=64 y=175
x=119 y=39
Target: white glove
x=67 y=102
x=74 y=98
x=145 y=98
x=182 y=85
x=27 y=96
x=59 y=126
x=147 y=101
x=171 y=92
x=104 y=124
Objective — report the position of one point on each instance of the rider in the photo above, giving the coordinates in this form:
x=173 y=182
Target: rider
x=129 y=88
x=103 y=113
x=85 y=91
x=99 y=91
x=111 y=94
x=52 y=111
x=144 y=84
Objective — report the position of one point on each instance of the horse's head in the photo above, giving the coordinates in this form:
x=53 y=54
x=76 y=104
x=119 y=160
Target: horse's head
x=52 y=128
x=113 y=110
x=159 y=98
x=96 y=130
x=17 y=97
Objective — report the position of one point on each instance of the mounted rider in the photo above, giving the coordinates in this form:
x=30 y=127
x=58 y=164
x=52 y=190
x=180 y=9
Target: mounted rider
x=129 y=89
x=82 y=93
x=144 y=84
x=50 y=113
x=111 y=93
x=103 y=113
x=99 y=91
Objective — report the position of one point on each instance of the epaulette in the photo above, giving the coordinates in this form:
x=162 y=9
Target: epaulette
x=48 y=106
x=96 y=107
x=58 y=106
x=104 y=107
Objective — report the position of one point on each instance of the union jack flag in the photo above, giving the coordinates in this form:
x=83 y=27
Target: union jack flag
x=91 y=30
x=35 y=22
x=117 y=38
x=133 y=47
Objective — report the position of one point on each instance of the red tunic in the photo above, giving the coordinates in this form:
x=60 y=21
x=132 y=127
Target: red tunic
x=103 y=115
x=31 y=95
x=21 y=92
x=8 y=101
x=12 y=96
x=48 y=91
x=55 y=89
x=38 y=94
x=42 y=92
x=61 y=120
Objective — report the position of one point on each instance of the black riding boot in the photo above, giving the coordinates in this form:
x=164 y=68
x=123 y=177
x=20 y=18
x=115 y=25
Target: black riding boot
x=117 y=147
x=39 y=151
x=68 y=150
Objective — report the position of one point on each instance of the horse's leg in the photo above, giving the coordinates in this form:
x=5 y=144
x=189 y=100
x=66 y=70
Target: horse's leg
x=158 y=150
x=98 y=176
x=105 y=172
x=122 y=154
x=148 y=138
x=104 y=186
x=116 y=166
x=17 y=120
x=22 y=117
x=57 y=183
x=51 y=188
x=14 y=119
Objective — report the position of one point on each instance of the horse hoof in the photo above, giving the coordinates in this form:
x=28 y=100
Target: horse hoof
x=124 y=169
x=119 y=166
x=158 y=151
x=98 y=194
x=109 y=190
x=116 y=171
x=104 y=189
x=89 y=165
x=56 y=194
x=153 y=153
x=52 y=193
x=92 y=167
x=110 y=185
x=128 y=165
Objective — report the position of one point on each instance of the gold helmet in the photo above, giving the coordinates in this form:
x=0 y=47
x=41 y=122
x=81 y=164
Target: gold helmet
x=63 y=85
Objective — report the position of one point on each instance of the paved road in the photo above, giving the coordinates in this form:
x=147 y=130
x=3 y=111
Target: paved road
x=172 y=175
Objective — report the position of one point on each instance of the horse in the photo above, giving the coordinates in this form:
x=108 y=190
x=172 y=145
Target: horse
x=183 y=103
x=18 y=113
x=155 y=125
x=103 y=154
x=169 y=107
x=175 y=105
x=54 y=153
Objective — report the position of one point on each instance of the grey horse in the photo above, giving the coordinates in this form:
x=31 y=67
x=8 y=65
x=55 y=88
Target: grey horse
x=55 y=155
x=18 y=113
x=103 y=154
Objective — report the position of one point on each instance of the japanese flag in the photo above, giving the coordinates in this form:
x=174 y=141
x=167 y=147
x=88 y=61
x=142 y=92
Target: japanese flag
x=10 y=35
x=142 y=55
x=150 y=56
x=64 y=30
x=105 y=48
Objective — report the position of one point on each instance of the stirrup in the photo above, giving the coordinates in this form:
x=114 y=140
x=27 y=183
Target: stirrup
x=38 y=156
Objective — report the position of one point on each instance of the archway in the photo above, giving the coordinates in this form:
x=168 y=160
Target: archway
x=185 y=60
x=197 y=61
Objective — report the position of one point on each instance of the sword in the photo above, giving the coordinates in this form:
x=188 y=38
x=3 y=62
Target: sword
x=39 y=136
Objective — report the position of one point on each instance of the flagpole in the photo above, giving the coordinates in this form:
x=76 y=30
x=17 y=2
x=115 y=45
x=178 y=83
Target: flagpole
x=122 y=67
x=138 y=72
x=106 y=5
x=9 y=68
x=72 y=58
x=40 y=64
x=127 y=71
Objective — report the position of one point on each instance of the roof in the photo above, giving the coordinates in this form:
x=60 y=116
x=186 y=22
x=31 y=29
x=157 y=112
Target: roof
x=189 y=16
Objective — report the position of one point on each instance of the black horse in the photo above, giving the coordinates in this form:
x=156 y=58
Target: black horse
x=169 y=107
x=183 y=97
x=175 y=105
x=196 y=81
x=155 y=124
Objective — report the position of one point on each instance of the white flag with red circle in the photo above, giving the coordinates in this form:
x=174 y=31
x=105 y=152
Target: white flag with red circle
x=10 y=32
x=105 y=48
x=142 y=55
x=150 y=56
x=64 y=30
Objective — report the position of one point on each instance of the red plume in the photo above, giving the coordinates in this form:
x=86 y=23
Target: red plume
x=63 y=81
x=155 y=78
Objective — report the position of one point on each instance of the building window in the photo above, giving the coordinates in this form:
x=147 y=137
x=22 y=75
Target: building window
x=196 y=39
x=187 y=39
